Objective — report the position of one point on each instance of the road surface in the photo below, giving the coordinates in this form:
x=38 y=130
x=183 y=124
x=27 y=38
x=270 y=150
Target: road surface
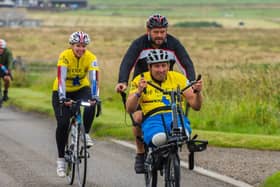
x=28 y=155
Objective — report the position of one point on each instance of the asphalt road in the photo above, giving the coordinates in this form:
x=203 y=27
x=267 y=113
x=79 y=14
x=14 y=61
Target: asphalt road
x=28 y=155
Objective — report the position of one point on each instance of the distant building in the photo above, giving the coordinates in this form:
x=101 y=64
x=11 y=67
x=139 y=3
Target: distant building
x=25 y=3
x=73 y=4
x=16 y=17
x=7 y=3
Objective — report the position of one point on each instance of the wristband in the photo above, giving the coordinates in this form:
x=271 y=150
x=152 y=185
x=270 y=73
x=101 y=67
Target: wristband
x=137 y=95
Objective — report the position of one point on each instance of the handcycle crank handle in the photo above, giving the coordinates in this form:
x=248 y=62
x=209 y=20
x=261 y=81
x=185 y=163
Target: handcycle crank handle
x=145 y=90
x=191 y=83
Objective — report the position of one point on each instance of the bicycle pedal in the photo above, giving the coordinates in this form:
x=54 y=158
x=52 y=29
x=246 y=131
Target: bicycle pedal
x=71 y=147
x=67 y=158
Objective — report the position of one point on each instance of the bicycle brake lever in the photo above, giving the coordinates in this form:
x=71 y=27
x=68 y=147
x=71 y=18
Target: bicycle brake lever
x=194 y=137
x=198 y=78
x=99 y=109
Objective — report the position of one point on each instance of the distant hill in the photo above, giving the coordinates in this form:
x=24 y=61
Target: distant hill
x=180 y=2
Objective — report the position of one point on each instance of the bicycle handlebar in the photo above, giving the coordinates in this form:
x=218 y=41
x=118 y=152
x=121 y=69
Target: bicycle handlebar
x=182 y=90
x=81 y=103
x=191 y=83
x=192 y=144
x=76 y=104
x=89 y=104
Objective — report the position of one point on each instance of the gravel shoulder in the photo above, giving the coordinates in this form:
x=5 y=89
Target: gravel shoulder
x=250 y=166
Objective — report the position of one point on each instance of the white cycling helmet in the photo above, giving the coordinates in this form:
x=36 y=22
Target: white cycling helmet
x=79 y=37
x=157 y=56
x=3 y=44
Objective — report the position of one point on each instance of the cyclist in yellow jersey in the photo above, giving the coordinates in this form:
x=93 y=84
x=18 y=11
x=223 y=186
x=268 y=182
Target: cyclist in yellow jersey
x=154 y=98
x=77 y=69
x=153 y=103
x=77 y=78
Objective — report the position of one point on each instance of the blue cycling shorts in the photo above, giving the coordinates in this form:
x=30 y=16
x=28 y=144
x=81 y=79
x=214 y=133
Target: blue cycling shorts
x=154 y=124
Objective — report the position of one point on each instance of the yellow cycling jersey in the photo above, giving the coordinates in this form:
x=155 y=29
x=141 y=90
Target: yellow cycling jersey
x=153 y=98
x=77 y=70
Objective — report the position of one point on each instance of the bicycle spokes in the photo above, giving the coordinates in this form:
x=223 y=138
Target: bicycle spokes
x=82 y=158
x=172 y=171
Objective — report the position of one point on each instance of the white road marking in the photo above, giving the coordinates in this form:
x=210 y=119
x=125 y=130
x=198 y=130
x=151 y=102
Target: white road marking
x=199 y=170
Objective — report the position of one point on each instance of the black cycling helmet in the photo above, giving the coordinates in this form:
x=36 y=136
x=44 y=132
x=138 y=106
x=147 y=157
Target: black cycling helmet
x=157 y=21
x=157 y=56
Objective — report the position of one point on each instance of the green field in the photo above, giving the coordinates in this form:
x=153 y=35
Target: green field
x=240 y=64
x=192 y=9
x=254 y=13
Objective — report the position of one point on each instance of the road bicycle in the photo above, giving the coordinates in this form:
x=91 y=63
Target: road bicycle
x=1 y=97
x=76 y=153
x=165 y=158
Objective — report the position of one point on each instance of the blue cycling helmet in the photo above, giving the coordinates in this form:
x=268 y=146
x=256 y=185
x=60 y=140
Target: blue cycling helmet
x=157 y=21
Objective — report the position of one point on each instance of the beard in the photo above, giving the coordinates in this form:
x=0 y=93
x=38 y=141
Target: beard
x=158 y=41
x=158 y=77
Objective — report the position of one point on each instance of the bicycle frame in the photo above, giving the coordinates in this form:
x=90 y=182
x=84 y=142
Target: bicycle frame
x=76 y=153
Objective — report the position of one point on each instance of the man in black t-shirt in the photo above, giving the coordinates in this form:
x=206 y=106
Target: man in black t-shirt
x=156 y=37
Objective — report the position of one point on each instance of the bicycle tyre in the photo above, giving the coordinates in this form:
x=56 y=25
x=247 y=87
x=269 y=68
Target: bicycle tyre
x=172 y=171
x=70 y=164
x=151 y=178
x=82 y=156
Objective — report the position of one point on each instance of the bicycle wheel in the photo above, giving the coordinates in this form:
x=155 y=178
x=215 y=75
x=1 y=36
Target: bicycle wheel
x=172 y=171
x=81 y=163
x=151 y=178
x=151 y=174
x=69 y=157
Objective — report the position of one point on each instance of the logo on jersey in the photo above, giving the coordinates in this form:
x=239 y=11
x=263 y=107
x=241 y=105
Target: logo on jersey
x=94 y=63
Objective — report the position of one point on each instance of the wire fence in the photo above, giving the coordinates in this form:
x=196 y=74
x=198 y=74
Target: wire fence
x=20 y=65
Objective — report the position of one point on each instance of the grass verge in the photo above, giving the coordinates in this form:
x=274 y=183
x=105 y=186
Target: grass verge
x=115 y=123
x=272 y=181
